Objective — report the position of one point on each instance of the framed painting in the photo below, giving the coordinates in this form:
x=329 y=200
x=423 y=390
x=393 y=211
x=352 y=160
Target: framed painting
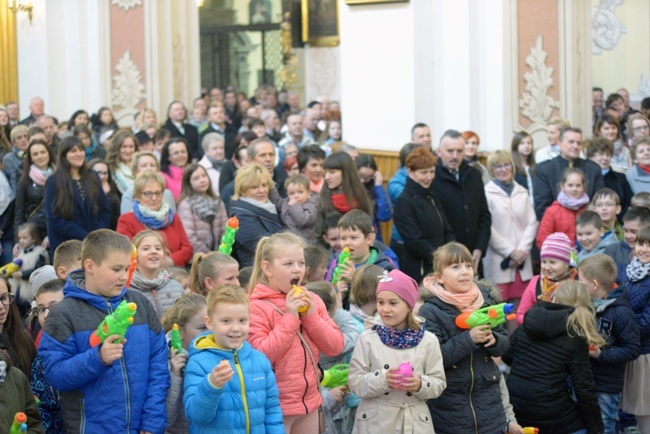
x=320 y=23
x=369 y=2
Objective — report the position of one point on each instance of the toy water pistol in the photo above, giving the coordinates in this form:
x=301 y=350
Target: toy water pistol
x=132 y=266
x=176 y=342
x=38 y=401
x=343 y=257
x=228 y=238
x=20 y=424
x=336 y=376
x=115 y=323
x=11 y=268
x=531 y=430
x=490 y=315
x=301 y=309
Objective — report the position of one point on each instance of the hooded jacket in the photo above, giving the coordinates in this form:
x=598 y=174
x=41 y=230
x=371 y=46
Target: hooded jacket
x=276 y=335
x=543 y=357
x=126 y=396
x=248 y=403
x=471 y=403
x=162 y=291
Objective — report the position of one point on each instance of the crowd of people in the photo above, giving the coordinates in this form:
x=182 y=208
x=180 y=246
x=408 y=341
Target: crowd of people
x=97 y=221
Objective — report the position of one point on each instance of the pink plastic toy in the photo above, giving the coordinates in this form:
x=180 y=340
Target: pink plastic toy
x=405 y=370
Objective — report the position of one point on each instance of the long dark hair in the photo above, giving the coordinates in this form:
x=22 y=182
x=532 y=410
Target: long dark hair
x=19 y=344
x=186 y=189
x=71 y=123
x=64 y=202
x=351 y=186
x=514 y=147
x=24 y=178
x=164 y=154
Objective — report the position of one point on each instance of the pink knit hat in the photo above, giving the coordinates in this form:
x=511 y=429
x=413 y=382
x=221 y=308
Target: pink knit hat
x=557 y=246
x=400 y=284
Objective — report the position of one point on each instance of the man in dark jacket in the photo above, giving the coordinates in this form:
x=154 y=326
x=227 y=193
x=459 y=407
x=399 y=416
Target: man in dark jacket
x=176 y=115
x=462 y=196
x=548 y=175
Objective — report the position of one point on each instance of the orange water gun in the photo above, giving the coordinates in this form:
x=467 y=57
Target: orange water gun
x=134 y=264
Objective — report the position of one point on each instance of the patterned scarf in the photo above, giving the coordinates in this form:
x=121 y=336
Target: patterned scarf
x=464 y=302
x=637 y=270
x=399 y=339
x=155 y=220
x=204 y=207
x=549 y=285
x=571 y=203
x=3 y=372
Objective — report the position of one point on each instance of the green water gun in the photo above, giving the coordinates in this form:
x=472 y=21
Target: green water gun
x=335 y=376
x=115 y=323
x=228 y=238
x=176 y=342
x=20 y=424
x=343 y=257
x=489 y=315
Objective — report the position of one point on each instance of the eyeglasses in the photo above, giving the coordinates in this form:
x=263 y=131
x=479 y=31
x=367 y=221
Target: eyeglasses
x=41 y=310
x=643 y=128
x=150 y=194
x=502 y=167
x=7 y=299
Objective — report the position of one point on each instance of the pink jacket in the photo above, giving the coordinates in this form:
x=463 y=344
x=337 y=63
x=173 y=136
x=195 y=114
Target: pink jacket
x=275 y=335
x=528 y=300
x=203 y=236
x=174 y=180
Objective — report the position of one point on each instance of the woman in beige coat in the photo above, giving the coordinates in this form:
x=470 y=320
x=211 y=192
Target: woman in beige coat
x=507 y=260
x=391 y=403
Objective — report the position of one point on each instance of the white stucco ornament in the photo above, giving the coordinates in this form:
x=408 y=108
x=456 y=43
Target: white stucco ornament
x=128 y=90
x=606 y=27
x=536 y=104
x=127 y=4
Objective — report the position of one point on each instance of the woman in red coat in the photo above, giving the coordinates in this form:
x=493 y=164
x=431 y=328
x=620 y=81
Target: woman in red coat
x=151 y=212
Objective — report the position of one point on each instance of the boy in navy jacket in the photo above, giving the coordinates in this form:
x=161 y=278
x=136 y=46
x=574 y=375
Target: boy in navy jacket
x=112 y=387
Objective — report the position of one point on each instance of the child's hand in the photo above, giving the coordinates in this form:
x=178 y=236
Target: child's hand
x=515 y=428
x=347 y=271
x=17 y=275
x=481 y=335
x=178 y=360
x=309 y=301
x=110 y=351
x=412 y=384
x=595 y=353
x=221 y=374
x=339 y=300
x=342 y=285
x=394 y=378
x=293 y=302
x=16 y=250
x=339 y=393
x=379 y=180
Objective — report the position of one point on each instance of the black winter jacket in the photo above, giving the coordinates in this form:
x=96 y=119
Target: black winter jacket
x=617 y=324
x=254 y=223
x=465 y=205
x=471 y=403
x=543 y=357
x=420 y=220
x=618 y=182
x=30 y=206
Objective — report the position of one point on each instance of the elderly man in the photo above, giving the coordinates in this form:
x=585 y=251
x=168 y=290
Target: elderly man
x=271 y=124
x=49 y=127
x=13 y=112
x=176 y=125
x=548 y=174
x=294 y=135
x=36 y=109
x=461 y=192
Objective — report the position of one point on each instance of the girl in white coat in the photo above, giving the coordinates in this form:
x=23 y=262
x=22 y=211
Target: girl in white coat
x=390 y=401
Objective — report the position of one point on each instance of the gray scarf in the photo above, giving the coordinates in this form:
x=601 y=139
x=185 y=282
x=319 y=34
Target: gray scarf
x=141 y=283
x=204 y=207
x=267 y=206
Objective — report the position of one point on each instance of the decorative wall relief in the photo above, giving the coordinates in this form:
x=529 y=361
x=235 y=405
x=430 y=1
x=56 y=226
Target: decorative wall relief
x=126 y=4
x=606 y=27
x=535 y=102
x=644 y=86
x=179 y=68
x=128 y=89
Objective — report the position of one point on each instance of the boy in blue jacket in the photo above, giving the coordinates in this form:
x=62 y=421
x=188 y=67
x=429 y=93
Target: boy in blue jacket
x=112 y=387
x=229 y=386
x=617 y=324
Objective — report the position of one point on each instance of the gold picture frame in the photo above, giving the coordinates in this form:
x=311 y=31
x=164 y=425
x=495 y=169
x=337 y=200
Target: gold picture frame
x=370 y=2
x=320 y=23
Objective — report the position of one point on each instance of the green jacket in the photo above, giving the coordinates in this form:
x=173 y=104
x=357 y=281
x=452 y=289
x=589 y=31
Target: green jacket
x=16 y=396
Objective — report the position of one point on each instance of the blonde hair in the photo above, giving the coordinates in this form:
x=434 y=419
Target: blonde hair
x=559 y=123
x=184 y=308
x=251 y=176
x=207 y=265
x=582 y=321
x=364 y=284
x=500 y=157
x=150 y=233
x=229 y=294
x=449 y=254
x=265 y=252
x=144 y=178
x=136 y=159
x=600 y=268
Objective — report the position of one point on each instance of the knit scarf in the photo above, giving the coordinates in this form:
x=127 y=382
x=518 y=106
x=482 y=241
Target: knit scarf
x=204 y=207
x=341 y=204
x=399 y=339
x=155 y=220
x=90 y=149
x=508 y=188
x=141 y=283
x=549 y=285
x=637 y=270
x=464 y=302
x=571 y=203
x=39 y=176
x=267 y=206
x=3 y=372
x=216 y=164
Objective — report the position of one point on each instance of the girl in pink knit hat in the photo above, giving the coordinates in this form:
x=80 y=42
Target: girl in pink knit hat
x=396 y=365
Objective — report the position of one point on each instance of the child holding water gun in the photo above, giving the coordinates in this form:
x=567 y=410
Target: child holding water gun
x=16 y=398
x=291 y=336
x=229 y=386
x=210 y=270
x=472 y=400
x=149 y=277
x=551 y=347
x=188 y=315
x=121 y=384
x=396 y=365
